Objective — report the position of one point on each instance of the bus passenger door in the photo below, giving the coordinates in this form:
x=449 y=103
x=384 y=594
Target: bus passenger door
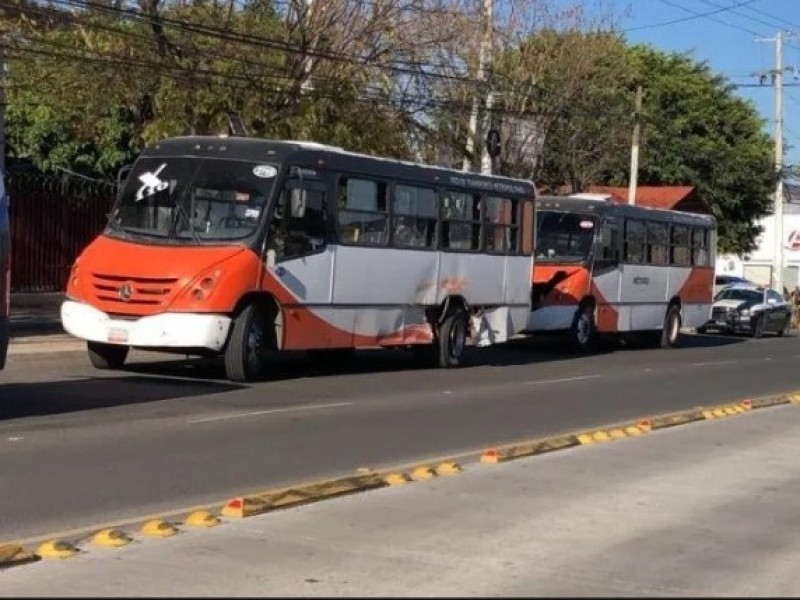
x=606 y=275
x=301 y=273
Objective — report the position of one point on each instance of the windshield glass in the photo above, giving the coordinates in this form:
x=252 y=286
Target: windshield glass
x=193 y=199
x=740 y=295
x=563 y=237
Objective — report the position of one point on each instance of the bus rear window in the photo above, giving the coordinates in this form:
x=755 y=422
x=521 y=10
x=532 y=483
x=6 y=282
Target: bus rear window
x=563 y=237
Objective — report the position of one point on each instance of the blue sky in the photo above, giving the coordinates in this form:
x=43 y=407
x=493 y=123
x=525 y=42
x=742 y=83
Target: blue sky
x=726 y=40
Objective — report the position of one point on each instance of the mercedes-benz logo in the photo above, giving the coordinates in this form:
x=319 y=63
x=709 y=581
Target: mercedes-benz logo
x=125 y=292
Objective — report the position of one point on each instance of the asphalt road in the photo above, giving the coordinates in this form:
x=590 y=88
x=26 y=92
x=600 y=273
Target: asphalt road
x=80 y=447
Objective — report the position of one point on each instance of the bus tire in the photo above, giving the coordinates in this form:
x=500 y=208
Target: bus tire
x=583 y=332
x=244 y=352
x=107 y=356
x=452 y=339
x=671 y=332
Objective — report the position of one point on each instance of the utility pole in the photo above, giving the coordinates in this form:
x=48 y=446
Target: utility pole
x=634 y=175
x=777 y=80
x=484 y=58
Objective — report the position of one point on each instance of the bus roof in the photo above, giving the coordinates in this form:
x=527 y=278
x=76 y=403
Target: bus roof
x=256 y=149
x=602 y=205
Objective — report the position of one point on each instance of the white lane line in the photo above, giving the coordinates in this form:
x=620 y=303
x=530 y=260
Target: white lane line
x=564 y=380
x=717 y=362
x=269 y=412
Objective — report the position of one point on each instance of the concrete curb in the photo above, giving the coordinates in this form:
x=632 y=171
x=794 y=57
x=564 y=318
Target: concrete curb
x=154 y=526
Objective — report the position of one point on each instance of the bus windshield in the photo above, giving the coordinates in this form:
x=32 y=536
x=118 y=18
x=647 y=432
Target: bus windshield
x=192 y=200
x=563 y=237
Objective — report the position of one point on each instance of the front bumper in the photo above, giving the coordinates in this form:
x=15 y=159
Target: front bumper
x=165 y=330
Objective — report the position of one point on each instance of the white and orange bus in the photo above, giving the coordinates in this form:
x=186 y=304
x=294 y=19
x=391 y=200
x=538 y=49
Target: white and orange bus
x=242 y=247
x=607 y=268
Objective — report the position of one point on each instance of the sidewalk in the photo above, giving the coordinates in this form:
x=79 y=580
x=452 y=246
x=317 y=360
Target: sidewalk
x=706 y=509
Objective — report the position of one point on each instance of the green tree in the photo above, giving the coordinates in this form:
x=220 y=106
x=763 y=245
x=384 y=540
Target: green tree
x=698 y=132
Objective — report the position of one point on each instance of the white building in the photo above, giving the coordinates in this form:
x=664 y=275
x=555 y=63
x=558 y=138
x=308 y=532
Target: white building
x=757 y=266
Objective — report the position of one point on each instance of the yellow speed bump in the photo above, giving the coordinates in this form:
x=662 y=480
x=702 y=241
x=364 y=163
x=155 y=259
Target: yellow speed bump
x=448 y=468
x=422 y=473
x=56 y=549
x=498 y=455
x=159 y=528
x=113 y=538
x=14 y=554
x=396 y=479
x=247 y=506
x=202 y=518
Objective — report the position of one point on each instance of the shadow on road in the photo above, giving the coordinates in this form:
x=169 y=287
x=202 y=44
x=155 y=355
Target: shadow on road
x=296 y=365
x=19 y=400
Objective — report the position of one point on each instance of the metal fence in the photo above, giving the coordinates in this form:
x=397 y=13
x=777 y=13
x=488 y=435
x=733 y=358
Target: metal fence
x=52 y=220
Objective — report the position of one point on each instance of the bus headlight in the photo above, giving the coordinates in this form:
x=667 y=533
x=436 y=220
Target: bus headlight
x=203 y=288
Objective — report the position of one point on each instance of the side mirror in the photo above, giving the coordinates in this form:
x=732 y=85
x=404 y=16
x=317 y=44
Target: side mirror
x=271 y=258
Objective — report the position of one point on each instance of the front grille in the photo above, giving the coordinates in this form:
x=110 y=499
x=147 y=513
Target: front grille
x=142 y=291
x=719 y=313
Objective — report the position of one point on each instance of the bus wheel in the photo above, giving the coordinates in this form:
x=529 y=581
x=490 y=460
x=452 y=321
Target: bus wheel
x=671 y=333
x=244 y=353
x=452 y=339
x=107 y=356
x=582 y=332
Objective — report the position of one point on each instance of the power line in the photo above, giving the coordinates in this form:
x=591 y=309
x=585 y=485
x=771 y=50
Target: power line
x=711 y=18
x=751 y=18
x=692 y=18
x=394 y=65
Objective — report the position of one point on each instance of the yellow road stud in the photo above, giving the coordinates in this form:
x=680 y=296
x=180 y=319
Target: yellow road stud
x=616 y=434
x=56 y=549
x=113 y=538
x=202 y=518
x=601 y=436
x=159 y=528
x=633 y=430
x=586 y=438
x=396 y=479
x=422 y=473
x=448 y=468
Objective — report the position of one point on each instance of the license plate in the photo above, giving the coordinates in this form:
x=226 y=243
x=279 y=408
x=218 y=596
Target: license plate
x=116 y=334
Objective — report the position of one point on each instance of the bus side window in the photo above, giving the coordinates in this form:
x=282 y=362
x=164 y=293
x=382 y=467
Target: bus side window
x=658 y=244
x=363 y=212
x=608 y=242
x=700 y=256
x=461 y=220
x=634 y=241
x=681 y=249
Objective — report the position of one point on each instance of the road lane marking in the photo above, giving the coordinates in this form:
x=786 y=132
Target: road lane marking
x=269 y=412
x=563 y=380
x=717 y=362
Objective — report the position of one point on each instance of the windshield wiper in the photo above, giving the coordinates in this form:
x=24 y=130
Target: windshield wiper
x=183 y=212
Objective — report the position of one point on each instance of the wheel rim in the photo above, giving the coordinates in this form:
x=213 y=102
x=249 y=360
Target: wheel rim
x=458 y=338
x=674 y=328
x=583 y=329
x=255 y=337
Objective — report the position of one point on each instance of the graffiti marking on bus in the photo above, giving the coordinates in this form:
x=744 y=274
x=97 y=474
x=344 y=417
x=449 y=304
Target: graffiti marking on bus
x=151 y=184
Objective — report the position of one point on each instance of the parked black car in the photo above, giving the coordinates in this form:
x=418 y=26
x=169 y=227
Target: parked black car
x=749 y=308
